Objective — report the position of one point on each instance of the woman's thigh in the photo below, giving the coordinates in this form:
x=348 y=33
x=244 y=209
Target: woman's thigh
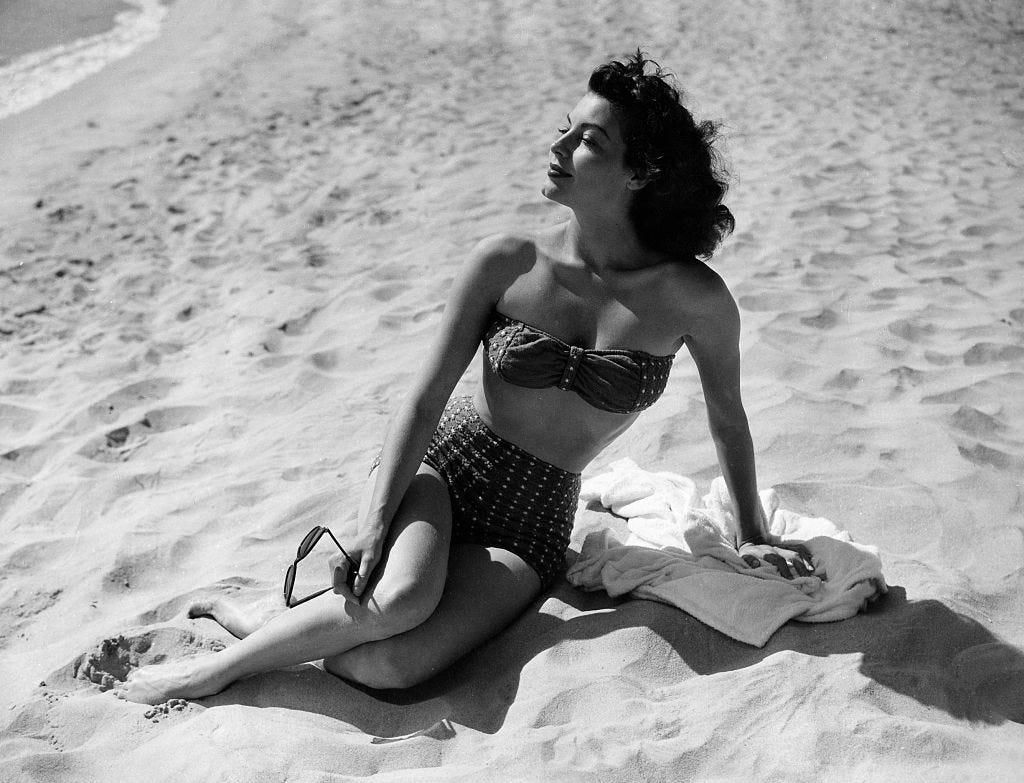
x=409 y=580
x=486 y=590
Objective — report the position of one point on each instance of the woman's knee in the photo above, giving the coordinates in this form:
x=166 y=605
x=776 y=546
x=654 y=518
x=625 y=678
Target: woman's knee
x=402 y=604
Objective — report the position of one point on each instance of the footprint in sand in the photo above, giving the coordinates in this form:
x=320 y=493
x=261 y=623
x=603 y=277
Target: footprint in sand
x=119 y=444
x=940 y=359
x=274 y=341
x=767 y=301
x=388 y=291
x=316 y=256
x=113 y=406
x=905 y=377
x=975 y=422
x=948 y=261
x=983 y=455
x=404 y=321
x=207 y=262
x=326 y=361
x=112 y=660
x=886 y=294
x=845 y=379
x=986 y=353
x=826 y=319
x=387 y=272
x=911 y=331
x=298 y=325
x=827 y=260
x=26 y=460
x=981 y=230
x=32 y=386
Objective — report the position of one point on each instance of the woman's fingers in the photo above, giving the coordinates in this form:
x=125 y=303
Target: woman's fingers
x=366 y=566
x=791 y=559
x=800 y=568
x=350 y=572
x=801 y=549
x=780 y=565
x=342 y=575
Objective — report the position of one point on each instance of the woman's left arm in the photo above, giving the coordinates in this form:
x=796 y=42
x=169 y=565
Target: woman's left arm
x=714 y=346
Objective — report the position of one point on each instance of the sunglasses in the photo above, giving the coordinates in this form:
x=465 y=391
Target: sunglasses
x=310 y=541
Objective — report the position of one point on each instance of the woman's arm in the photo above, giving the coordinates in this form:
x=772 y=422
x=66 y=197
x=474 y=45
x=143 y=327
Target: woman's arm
x=714 y=346
x=715 y=350
x=475 y=291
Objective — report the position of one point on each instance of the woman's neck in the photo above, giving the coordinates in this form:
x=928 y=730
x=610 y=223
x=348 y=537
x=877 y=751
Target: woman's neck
x=606 y=244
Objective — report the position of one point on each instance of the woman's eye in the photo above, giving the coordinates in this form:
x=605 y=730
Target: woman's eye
x=584 y=139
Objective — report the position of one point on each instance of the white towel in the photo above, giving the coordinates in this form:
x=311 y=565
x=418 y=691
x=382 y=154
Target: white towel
x=683 y=555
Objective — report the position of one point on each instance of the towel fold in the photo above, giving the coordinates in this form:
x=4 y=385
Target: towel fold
x=683 y=555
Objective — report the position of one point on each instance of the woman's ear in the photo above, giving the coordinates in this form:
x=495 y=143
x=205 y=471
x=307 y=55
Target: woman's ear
x=637 y=181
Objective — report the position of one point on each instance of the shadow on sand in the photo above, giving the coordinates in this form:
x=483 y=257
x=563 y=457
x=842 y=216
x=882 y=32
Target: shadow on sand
x=920 y=649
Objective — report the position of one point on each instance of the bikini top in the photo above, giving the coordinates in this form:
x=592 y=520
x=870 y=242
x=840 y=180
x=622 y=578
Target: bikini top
x=619 y=381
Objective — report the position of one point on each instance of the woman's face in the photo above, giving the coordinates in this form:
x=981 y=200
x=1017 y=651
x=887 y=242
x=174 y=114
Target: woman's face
x=586 y=167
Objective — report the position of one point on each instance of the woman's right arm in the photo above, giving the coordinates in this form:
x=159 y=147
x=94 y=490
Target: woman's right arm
x=475 y=291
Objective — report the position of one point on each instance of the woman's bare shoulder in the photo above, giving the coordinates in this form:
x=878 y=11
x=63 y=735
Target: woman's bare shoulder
x=497 y=261
x=500 y=250
x=698 y=298
x=694 y=285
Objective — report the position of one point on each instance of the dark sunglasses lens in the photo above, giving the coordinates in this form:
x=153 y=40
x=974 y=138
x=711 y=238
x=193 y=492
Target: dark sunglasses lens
x=309 y=541
x=289 y=583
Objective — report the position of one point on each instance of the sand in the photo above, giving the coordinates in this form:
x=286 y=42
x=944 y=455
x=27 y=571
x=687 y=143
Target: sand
x=222 y=257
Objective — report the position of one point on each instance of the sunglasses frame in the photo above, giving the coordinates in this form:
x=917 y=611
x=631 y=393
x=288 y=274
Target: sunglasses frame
x=307 y=545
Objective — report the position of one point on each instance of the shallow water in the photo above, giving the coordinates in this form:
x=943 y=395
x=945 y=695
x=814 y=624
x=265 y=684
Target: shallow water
x=33 y=25
x=47 y=46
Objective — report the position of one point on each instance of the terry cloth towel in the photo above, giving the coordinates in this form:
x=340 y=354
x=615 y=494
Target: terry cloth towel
x=683 y=555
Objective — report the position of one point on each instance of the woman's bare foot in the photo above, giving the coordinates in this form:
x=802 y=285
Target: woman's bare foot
x=188 y=679
x=234 y=619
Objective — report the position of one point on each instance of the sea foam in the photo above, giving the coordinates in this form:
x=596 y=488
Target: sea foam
x=36 y=76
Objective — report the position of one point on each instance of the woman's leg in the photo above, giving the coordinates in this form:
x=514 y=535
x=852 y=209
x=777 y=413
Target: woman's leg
x=405 y=590
x=231 y=617
x=487 y=589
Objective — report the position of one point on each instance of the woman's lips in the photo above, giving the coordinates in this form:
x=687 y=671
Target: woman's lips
x=557 y=172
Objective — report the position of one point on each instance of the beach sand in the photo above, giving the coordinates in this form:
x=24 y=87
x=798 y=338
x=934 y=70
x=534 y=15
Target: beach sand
x=222 y=258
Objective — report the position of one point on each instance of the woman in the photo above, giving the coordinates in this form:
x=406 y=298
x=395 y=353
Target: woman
x=470 y=505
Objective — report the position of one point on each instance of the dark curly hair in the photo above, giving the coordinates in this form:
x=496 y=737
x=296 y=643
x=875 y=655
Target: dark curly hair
x=679 y=210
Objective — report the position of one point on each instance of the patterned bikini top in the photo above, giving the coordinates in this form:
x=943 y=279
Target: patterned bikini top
x=619 y=381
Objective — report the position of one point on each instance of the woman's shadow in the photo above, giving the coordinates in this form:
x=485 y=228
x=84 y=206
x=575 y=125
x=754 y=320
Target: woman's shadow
x=920 y=649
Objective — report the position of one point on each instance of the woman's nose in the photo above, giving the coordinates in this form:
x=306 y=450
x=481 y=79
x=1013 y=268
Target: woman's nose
x=559 y=147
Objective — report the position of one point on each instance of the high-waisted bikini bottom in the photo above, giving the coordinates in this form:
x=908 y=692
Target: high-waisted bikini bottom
x=502 y=496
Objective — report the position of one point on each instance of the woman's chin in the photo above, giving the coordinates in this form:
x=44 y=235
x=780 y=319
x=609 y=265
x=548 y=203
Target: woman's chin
x=551 y=191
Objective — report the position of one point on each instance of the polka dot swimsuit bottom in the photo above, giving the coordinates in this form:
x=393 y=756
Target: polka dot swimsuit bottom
x=503 y=496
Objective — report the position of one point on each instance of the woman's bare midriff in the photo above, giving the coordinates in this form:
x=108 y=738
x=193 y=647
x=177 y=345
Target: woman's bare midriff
x=554 y=425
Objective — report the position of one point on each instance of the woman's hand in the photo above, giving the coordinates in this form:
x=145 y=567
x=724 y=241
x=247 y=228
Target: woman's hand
x=786 y=557
x=351 y=574
x=343 y=574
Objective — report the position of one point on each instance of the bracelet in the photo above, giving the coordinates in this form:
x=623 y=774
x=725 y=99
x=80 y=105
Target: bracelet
x=752 y=541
